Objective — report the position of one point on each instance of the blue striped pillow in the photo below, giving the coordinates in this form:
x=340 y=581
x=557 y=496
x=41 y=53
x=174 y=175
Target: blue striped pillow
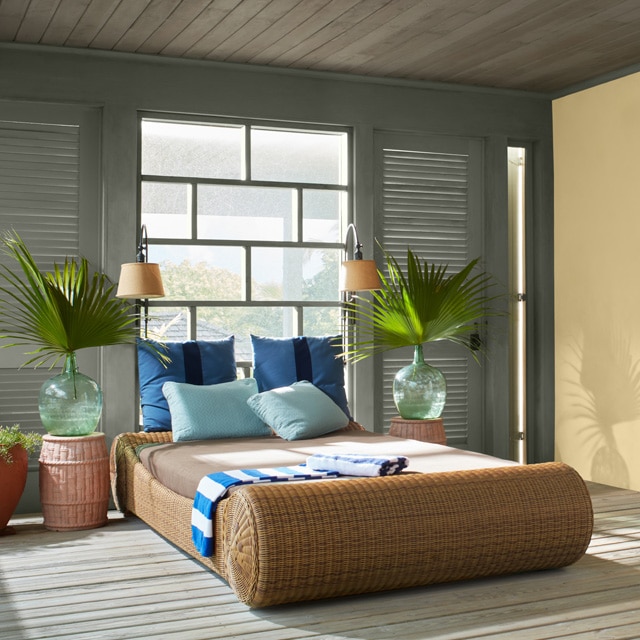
x=279 y=362
x=195 y=362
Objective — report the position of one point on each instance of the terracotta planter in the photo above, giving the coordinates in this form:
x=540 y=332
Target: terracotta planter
x=13 y=478
x=74 y=482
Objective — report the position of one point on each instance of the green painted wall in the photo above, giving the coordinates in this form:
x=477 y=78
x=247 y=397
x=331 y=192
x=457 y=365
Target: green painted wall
x=119 y=86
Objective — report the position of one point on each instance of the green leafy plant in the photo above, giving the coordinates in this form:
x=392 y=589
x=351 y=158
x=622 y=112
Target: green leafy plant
x=60 y=311
x=423 y=305
x=12 y=436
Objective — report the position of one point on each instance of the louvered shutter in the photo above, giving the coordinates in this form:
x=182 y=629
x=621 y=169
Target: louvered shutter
x=429 y=199
x=39 y=186
x=40 y=198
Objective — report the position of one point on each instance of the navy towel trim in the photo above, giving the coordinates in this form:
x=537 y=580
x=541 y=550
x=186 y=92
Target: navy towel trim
x=192 y=363
x=304 y=370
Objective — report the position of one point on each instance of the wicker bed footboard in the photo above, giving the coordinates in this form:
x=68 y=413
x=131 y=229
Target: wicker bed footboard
x=290 y=542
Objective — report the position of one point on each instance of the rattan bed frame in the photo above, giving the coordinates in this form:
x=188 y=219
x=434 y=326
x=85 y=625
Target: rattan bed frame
x=303 y=541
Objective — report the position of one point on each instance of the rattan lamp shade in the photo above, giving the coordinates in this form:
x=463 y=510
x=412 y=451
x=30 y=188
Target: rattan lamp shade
x=140 y=280
x=359 y=275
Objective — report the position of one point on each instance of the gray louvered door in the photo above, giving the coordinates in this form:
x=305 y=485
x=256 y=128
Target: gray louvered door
x=429 y=198
x=48 y=176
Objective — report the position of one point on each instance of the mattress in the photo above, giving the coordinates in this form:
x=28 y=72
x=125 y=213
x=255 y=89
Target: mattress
x=180 y=466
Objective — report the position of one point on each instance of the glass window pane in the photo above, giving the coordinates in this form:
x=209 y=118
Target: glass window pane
x=247 y=213
x=192 y=150
x=166 y=209
x=168 y=324
x=200 y=273
x=295 y=274
x=243 y=321
x=322 y=213
x=321 y=321
x=298 y=156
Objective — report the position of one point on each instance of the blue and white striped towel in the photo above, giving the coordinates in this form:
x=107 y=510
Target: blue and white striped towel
x=353 y=464
x=213 y=488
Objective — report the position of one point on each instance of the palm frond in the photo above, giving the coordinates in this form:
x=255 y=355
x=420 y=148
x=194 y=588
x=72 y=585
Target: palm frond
x=61 y=311
x=425 y=304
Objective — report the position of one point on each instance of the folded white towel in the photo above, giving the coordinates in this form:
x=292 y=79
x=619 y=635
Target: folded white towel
x=354 y=464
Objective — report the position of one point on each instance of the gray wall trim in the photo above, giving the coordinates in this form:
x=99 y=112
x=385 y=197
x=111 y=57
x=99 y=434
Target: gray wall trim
x=540 y=307
x=496 y=362
x=299 y=73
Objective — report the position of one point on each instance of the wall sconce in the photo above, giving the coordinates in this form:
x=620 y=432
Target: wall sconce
x=141 y=279
x=357 y=274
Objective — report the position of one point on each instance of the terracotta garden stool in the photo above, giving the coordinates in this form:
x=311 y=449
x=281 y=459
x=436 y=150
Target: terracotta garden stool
x=74 y=482
x=425 y=430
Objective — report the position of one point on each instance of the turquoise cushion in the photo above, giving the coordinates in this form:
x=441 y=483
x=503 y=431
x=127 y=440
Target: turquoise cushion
x=298 y=411
x=194 y=361
x=208 y=412
x=279 y=362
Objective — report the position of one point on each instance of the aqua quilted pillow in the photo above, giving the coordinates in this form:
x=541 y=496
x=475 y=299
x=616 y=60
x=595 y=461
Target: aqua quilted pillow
x=298 y=411
x=209 y=412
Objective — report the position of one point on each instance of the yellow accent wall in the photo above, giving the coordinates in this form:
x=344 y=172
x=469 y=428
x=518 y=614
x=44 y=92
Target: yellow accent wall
x=597 y=281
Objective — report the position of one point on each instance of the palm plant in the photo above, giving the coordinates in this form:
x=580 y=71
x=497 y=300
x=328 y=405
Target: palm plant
x=425 y=305
x=61 y=311
x=57 y=313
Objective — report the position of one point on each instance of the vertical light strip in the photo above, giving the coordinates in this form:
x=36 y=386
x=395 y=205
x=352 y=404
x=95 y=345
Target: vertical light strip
x=516 y=186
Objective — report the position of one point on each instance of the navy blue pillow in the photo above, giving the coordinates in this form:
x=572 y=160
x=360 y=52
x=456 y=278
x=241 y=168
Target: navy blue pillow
x=279 y=362
x=194 y=362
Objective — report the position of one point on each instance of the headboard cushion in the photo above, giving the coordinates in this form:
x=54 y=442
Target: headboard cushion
x=279 y=362
x=195 y=362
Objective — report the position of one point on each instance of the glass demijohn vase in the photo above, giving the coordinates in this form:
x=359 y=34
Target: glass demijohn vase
x=419 y=390
x=70 y=403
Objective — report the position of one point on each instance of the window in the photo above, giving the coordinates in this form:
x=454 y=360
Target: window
x=246 y=220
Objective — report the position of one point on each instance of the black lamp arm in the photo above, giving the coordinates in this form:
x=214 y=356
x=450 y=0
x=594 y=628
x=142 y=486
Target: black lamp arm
x=357 y=248
x=143 y=245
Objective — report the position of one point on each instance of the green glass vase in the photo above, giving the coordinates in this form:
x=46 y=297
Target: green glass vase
x=419 y=390
x=70 y=403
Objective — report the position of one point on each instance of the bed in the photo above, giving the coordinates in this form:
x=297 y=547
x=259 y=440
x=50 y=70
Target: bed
x=450 y=516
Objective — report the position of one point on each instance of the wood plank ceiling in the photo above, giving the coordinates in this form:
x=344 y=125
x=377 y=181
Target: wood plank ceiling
x=535 y=45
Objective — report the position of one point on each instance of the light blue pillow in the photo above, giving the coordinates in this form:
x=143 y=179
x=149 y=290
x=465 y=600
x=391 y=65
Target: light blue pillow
x=299 y=411
x=208 y=412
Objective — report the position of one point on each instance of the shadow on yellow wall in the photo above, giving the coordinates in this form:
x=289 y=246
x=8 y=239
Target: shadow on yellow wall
x=601 y=382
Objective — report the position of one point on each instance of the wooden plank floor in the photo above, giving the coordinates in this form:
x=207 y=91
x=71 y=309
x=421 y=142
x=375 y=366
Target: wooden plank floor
x=123 y=581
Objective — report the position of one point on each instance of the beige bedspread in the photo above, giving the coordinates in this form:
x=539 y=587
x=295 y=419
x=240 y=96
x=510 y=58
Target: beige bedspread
x=180 y=466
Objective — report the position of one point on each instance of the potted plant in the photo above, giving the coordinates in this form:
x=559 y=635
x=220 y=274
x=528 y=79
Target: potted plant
x=15 y=447
x=57 y=313
x=425 y=304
